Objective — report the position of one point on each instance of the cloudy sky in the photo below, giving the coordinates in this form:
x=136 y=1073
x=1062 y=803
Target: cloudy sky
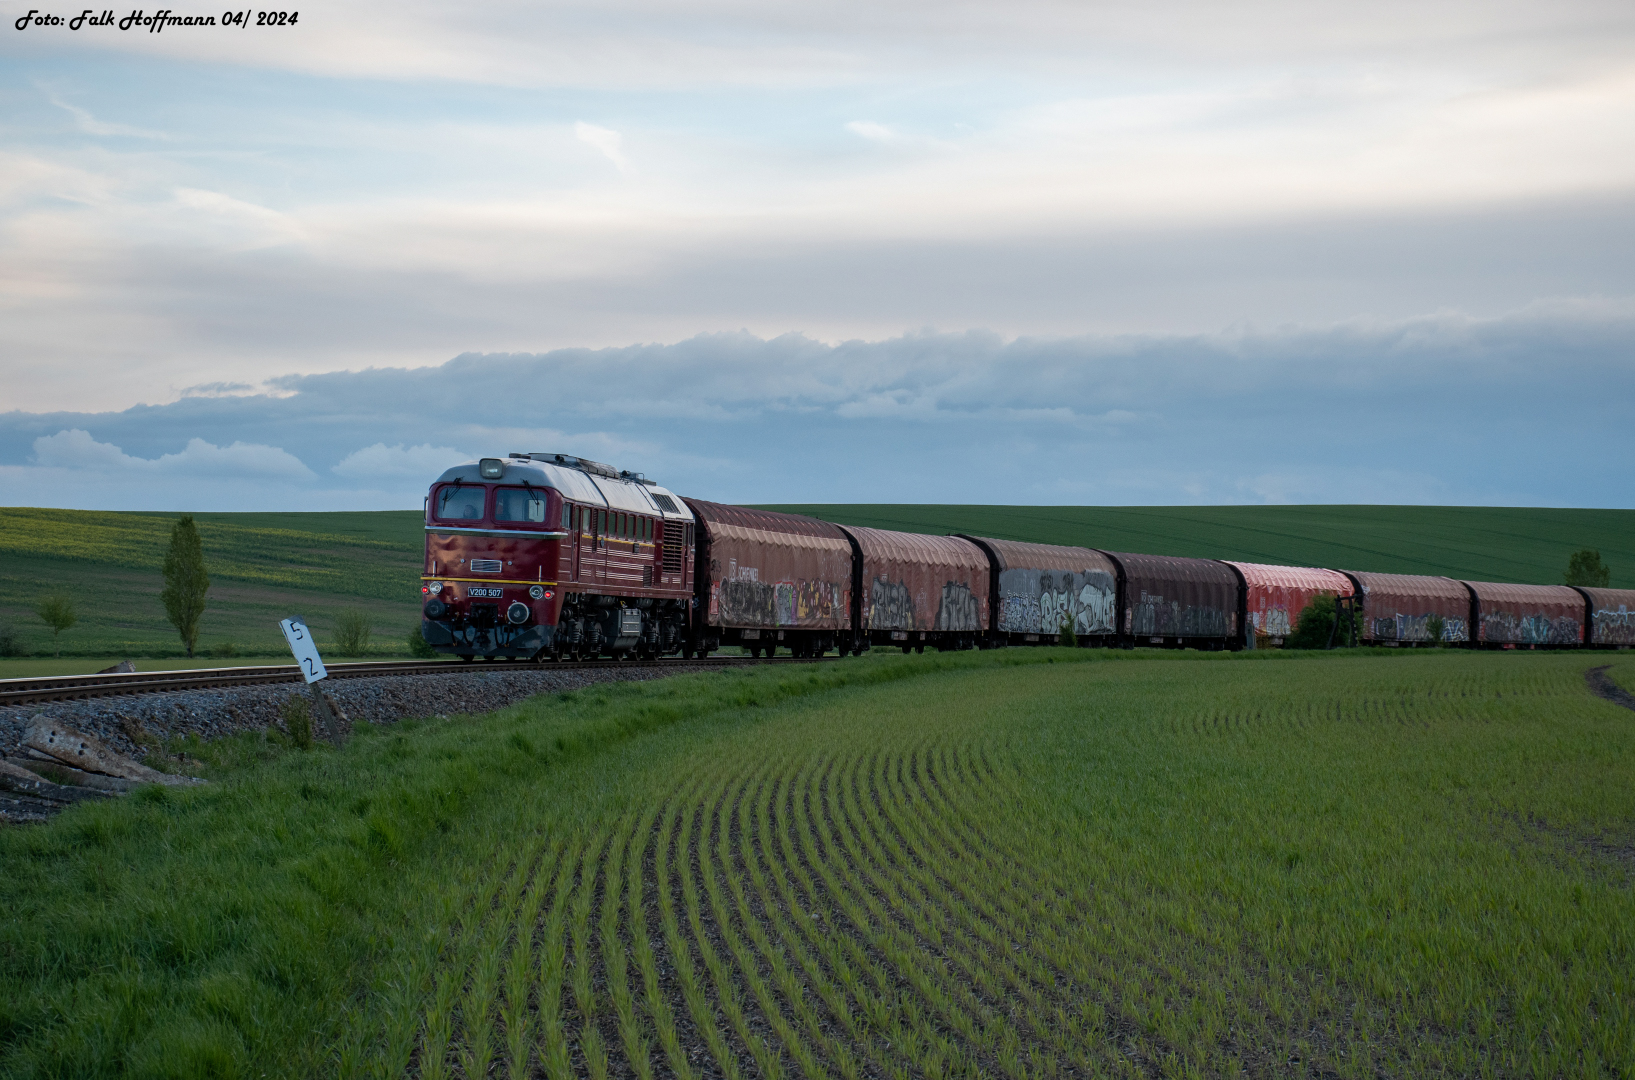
x=978 y=252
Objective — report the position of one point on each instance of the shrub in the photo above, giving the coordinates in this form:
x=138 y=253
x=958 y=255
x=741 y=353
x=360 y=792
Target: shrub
x=224 y=650
x=9 y=643
x=1066 y=637
x=351 y=632
x=297 y=715
x=418 y=647
x=1586 y=568
x=1315 y=624
x=58 y=612
x=1434 y=625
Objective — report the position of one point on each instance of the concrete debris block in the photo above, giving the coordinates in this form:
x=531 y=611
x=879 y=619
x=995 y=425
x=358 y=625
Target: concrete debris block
x=56 y=771
x=83 y=752
x=14 y=778
x=124 y=667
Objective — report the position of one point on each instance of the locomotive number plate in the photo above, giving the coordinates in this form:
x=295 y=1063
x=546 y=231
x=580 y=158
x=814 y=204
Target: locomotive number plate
x=478 y=590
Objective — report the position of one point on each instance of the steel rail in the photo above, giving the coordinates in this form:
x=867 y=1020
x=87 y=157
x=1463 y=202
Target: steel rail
x=80 y=687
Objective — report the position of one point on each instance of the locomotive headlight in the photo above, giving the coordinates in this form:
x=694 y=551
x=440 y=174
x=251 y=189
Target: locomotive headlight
x=435 y=587
x=517 y=613
x=537 y=592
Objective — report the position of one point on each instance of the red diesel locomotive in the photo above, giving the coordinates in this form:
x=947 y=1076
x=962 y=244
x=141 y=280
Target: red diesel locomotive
x=550 y=555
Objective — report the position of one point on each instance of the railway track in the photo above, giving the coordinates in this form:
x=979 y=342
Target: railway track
x=80 y=687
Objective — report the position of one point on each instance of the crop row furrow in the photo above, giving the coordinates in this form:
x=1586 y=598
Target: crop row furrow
x=955 y=1008
x=986 y=955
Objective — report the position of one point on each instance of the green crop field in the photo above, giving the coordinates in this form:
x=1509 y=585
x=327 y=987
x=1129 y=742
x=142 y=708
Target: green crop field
x=263 y=567
x=1020 y=863
x=1477 y=543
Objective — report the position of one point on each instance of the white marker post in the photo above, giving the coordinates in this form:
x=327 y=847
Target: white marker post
x=304 y=648
x=312 y=670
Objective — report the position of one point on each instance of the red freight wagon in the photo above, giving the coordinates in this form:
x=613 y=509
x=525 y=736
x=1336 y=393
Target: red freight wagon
x=1611 y=616
x=1274 y=597
x=536 y=555
x=1399 y=607
x=1527 y=614
x=768 y=579
x=1172 y=601
x=917 y=590
x=1038 y=587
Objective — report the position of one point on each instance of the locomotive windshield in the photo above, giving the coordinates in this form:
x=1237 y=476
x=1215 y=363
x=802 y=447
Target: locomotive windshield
x=460 y=502
x=519 y=504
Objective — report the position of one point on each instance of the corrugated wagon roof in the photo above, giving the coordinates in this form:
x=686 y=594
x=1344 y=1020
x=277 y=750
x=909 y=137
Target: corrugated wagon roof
x=1014 y=554
x=1411 y=585
x=1174 y=568
x=1500 y=592
x=918 y=547
x=765 y=520
x=1309 y=578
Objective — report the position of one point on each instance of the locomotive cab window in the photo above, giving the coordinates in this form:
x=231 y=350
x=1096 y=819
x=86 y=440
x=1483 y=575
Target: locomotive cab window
x=520 y=505
x=459 y=502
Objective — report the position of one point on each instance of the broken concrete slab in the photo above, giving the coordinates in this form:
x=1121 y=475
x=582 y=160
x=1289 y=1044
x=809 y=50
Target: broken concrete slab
x=83 y=752
x=52 y=769
x=21 y=781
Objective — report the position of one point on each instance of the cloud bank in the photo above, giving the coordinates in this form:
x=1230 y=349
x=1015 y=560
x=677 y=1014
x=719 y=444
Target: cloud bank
x=1528 y=409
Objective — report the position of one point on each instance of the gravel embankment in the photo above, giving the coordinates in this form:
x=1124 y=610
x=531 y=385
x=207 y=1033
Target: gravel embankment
x=122 y=721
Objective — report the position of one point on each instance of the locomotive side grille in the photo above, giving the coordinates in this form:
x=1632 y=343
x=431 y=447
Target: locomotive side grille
x=647 y=575
x=672 y=557
x=485 y=566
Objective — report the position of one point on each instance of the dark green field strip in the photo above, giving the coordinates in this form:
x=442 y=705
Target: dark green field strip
x=121 y=614
x=1528 y=545
x=286 y=557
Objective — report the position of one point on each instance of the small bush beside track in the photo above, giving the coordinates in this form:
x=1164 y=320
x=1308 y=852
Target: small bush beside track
x=1031 y=862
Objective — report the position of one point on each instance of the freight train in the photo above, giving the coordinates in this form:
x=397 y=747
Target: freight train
x=552 y=556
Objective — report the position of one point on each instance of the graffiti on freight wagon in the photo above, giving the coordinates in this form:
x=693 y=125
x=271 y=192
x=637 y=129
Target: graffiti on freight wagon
x=1273 y=622
x=1615 y=627
x=1038 y=602
x=747 y=602
x=1530 y=629
x=1402 y=627
x=1153 y=616
x=816 y=600
x=890 y=606
x=959 y=608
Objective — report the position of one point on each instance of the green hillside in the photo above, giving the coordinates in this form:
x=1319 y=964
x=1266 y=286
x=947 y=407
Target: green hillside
x=1478 y=543
x=263 y=567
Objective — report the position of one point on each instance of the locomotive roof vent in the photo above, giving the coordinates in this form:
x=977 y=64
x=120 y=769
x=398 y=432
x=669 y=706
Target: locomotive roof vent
x=636 y=477
x=595 y=468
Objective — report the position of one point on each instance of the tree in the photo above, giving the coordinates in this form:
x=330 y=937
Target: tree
x=58 y=612
x=1586 y=568
x=186 y=583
